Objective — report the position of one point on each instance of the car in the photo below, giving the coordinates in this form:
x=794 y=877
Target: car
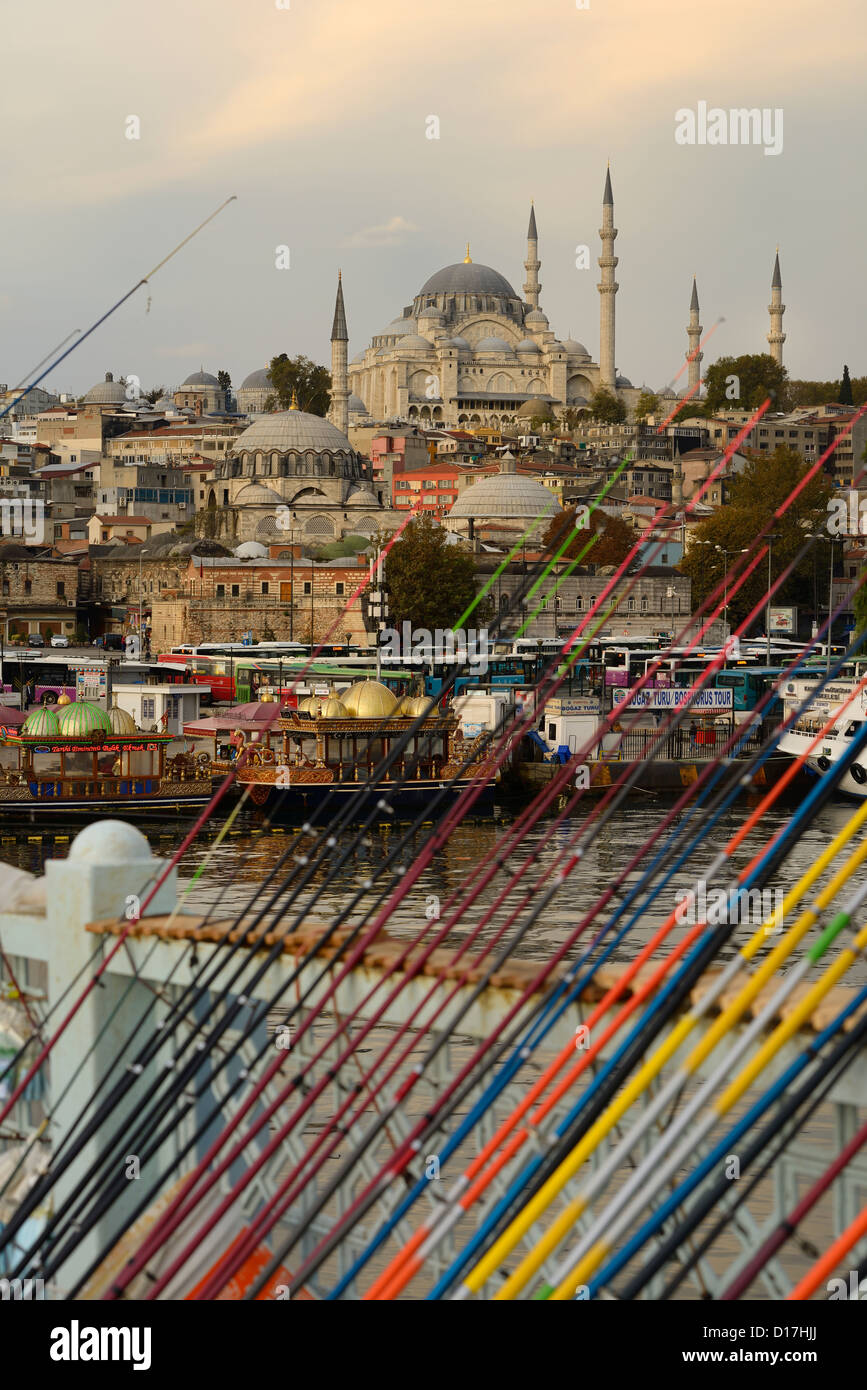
x=35 y=639
x=59 y=640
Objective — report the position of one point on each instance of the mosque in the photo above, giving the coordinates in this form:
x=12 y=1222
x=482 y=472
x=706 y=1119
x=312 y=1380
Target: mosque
x=469 y=351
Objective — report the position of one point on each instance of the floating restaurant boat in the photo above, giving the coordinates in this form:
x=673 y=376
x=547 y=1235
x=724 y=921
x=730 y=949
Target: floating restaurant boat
x=82 y=757
x=323 y=754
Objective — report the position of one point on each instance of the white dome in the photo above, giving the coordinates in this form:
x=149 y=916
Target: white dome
x=110 y=842
x=506 y=496
x=250 y=550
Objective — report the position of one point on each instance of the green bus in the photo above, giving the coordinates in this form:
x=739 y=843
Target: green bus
x=256 y=678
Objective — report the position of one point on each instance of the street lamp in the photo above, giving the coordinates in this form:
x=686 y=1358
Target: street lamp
x=770 y=540
x=725 y=554
x=830 y=607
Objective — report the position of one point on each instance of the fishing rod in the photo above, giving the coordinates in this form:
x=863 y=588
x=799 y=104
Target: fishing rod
x=844 y=1051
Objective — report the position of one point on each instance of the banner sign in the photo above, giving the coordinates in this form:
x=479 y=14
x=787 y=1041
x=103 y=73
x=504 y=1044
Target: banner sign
x=715 y=701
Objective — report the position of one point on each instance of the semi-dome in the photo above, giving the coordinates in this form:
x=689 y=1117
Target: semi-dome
x=363 y=497
x=494 y=344
x=201 y=379
x=505 y=496
x=290 y=429
x=414 y=340
x=575 y=348
x=527 y=345
x=81 y=718
x=468 y=278
x=42 y=723
x=260 y=380
x=121 y=721
x=108 y=392
x=258 y=495
x=356 y=406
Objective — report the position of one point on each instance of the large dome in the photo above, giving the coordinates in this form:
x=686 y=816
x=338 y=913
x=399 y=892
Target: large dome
x=257 y=381
x=201 y=379
x=290 y=429
x=108 y=392
x=506 y=496
x=468 y=278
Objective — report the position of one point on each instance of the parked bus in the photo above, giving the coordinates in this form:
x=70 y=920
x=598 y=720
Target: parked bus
x=291 y=681
x=42 y=680
x=216 y=674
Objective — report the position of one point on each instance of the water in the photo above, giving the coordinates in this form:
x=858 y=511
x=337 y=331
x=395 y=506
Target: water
x=235 y=873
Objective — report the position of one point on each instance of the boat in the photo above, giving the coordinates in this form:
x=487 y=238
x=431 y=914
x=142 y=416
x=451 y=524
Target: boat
x=848 y=719
x=80 y=757
x=319 y=757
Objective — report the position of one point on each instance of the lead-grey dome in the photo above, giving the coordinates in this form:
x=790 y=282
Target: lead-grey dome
x=260 y=379
x=201 y=379
x=468 y=278
x=414 y=340
x=108 y=392
x=575 y=348
x=527 y=345
x=290 y=429
x=460 y=343
x=258 y=494
x=356 y=405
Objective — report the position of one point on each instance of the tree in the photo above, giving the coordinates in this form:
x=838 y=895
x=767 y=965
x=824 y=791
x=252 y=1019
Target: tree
x=572 y=416
x=825 y=392
x=310 y=383
x=861 y=609
x=754 y=496
x=430 y=582
x=612 y=547
x=224 y=381
x=607 y=408
x=845 y=396
x=744 y=383
x=153 y=394
x=647 y=404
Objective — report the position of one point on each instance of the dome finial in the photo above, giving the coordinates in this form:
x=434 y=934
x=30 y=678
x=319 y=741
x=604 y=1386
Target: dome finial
x=294 y=405
x=468 y=260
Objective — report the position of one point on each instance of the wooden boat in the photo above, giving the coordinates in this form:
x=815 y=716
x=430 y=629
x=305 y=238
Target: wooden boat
x=317 y=758
x=83 y=757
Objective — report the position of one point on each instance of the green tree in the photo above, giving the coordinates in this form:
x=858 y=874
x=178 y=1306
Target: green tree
x=845 y=396
x=430 y=582
x=825 y=392
x=647 y=404
x=607 y=408
x=744 y=383
x=861 y=609
x=310 y=383
x=225 y=383
x=612 y=547
x=153 y=394
x=754 y=496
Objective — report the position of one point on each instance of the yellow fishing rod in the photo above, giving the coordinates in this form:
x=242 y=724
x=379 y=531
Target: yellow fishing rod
x=532 y=1211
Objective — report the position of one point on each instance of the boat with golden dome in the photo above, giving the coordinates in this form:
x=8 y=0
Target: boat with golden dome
x=76 y=757
x=320 y=756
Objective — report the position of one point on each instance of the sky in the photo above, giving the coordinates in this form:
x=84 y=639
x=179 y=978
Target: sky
x=316 y=114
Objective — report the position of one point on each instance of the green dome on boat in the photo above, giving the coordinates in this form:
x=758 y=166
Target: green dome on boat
x=82 y=718
x=41 y=722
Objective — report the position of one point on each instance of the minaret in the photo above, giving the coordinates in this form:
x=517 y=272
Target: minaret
x=608 y=288
x=776 y=309
x=532 y=263
x=339 y=413
x=693 y=333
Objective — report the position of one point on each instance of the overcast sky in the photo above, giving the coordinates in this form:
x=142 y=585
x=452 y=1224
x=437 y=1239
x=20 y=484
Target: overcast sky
x=315 y=116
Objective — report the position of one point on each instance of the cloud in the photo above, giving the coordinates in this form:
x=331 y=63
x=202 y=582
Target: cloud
x=390 y=233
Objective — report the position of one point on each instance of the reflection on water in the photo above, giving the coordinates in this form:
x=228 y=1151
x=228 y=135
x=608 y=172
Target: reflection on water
x=246 y=869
